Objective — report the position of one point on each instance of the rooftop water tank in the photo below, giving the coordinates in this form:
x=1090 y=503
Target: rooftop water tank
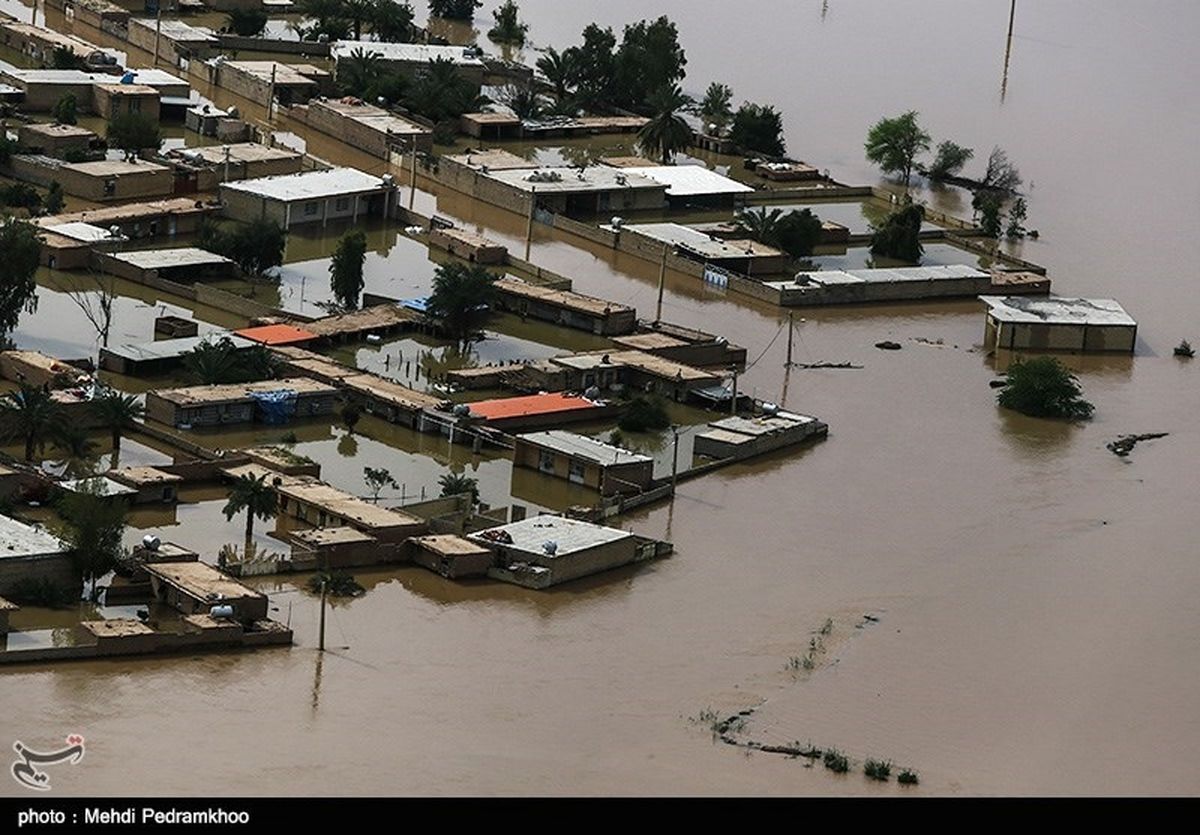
x=224 y=611
x=151 y=542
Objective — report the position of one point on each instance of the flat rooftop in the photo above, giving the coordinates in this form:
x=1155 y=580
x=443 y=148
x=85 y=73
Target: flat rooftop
x=1057 y=311
x=368 y=114
x=531 y=404
x=157 y=259
x=280 y=334
x=348 y=506
x=157 y=79
x=560 y=298
x=238 y=152
x=493 y=159
x=581 y=446
x=288 y=75
x=201 y=581
x=18 y=539
x=325 y=537
x=59 y=131
x=406 y=52
x=693 y=240
x=647 y=363
x=171 y=348
x=449 y=545
x=689 y=180
x=309 y=185
x=127 y=211
x=116 y=628
x=176 y=30
x=83 y=232
x=99 y=485
x=756 y=427
x=382 y=388
x=115 y=167
x=119 y=89
x=649 y=341
x=143 y=476
x=233 y=392
x=315 y=363
x=564 y=180
x=570 y=535
x=884 y=275
x=381 y=316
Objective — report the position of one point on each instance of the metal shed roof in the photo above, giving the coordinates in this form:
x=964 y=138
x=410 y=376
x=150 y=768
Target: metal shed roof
x=581 y=446
x=309 y=185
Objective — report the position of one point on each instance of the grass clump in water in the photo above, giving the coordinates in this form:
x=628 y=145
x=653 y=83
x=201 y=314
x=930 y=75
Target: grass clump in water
x=836 y=761
x=878 y=770
x=908 y=777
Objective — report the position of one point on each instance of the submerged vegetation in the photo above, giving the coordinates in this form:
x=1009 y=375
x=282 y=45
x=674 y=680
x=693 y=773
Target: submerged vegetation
x=1043 y=387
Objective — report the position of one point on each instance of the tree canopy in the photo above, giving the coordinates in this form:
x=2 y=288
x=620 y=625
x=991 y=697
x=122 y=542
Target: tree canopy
x=346 y=269
x=508 y=28
x=715 y=108
x=454 y=9
x=461 y=298
x=246 y=22
x=899 y=236
x=255 y=247
x=649 y=59
x=94 y=526
x=456 y=485
x=796 y=232
x=666 y=133
x=21 y=243
x=254 y=495
x=133 y=133
x=948 y=161
x=29 y=415
x=220 y=361
x=758 y=127
x=894 y=144
x=1044 y=387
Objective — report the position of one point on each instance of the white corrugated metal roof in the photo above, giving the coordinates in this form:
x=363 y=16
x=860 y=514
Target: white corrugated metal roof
x=573 y=180
x=581 y=446
x=309 y=185
x=690 y=180
x=1057 y=311
x=81 y=232
x=412 y=52
x=884 y=275
x=167 y=348
x=156 y=259
x=20 y=540
x=699 y=242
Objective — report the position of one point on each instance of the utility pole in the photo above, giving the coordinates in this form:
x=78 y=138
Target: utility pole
x=791 y=333
x=529 y=222
x=662 y=283
x=674 y=456
x=226 y=163
x=733 y=400
x=324 y=584
x=1012 y=13
x=271 y=95
x=412 y=176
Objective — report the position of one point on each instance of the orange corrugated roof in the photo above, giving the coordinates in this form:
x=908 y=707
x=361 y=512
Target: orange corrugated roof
x=276 y=334
x=533 y=404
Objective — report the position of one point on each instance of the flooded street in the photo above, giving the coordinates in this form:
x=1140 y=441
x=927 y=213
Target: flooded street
x=1032 y=591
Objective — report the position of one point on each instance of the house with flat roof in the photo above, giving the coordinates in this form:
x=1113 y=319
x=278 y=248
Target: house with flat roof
x=1021 y=323
x=388 y=399
x=309 y=197
x=741 y=255
x=889 y=284
x=259 y=81
x=185 y=264
x=336 y=548
x=55 y=140
x=534 y=411
x=196 y=587
x=152 y=485
x=172 y=38
x=117 y=99
x=740 y=437
x=582 y=460
x=144 y=359
x=692 y=185
x=96 y=13
x=411 y=59
x=40 y=44
x=100 y=181
x=542 y=551
x=31 y=553
x=301 y=362
x=43 y=88
x=467 y=245
x=204 y=168
x=364 y=126
x=324 y=506
x=148 y=219
x=564 y=307
x=450 y=555
x=269 y=401
x=588 y=190
x=277 y=334
x=638 y=369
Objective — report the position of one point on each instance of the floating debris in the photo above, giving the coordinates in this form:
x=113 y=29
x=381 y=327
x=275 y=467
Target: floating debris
x=998 y=383
x=1124 y=445
x=825 y=365
x=888 y=345
x=1185 y=350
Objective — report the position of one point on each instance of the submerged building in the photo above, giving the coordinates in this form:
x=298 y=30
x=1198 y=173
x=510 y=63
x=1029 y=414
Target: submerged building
x=1057 y=324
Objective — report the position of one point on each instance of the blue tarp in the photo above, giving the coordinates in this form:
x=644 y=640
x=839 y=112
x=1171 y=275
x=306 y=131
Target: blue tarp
x=275 y=407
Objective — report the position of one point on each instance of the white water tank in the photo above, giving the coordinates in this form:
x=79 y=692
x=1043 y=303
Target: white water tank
x=151 y=542
x=550 y=547
x=223 y=611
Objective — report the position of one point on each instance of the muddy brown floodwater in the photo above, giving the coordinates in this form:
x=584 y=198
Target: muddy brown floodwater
x=1034 y=593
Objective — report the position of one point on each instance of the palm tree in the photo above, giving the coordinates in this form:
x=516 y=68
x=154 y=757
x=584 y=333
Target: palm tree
x=359 y=72
x=30 y=414
x=79 y=451
x=255 y=496
x=559 y=69
x=455 y=485
x=666 y=133
x=759 y=224
x=523 y=100
x=117 y=412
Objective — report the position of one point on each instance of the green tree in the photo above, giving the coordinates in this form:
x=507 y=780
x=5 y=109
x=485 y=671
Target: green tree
x=508 y=29
x=798 y=232
x=78 y=449
x=1000 y=176
x=30 y=415
x=666 y=133
x=461 y=298
x=55 y=200
x=65 y=58
x=246 y=22
x=594 y=66
x=134 y=133
x=116 y=412
x=392 y=22
x=351 y=415
x=990 y=220
x=523 y=100
x=324 y=17
x=758 y=127
x=454 y=9
x=560 y=70
x=441 y=92
x=948 y=161
x=1017 y=213
x=255 y=247
x=8 y=147
x=254 y=495
x=899 y=236
x=346 y=269
x=21 y=243
x=1044 y=387
x=716 y=109
x=94 y=527
x=649 y=59
x=894 y=144
x=219 y=361
x=377 y=478
x=66 y=111
x=759 y=224
x=644 y=413
x=21 y=196
x=457 y=485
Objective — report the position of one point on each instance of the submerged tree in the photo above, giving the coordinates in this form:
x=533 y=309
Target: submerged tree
x=461 y=298
x=758 y=128
x=948 y=161
x=346 y=269
x=900 y=235
x=560 y=70
x=1017 y=214
x=94 y=526
x=648 y=60
x=95 y=299
x=594 y=67
x=990 y=221
x=759 y=224
x=454 y=9
x=377 y=478
x=508 y=29
x=666 y=133
x=1044 y=387
x=894 y=144
x=246 y=22
x=441 y=92
x=55 y=200
x=116 y=412
x=456 y=485
x=798 y=232
x=523 y=100
x=1000 y=175
x=256 y=496
x=21 y=243
x=66 y=110
x=255 y=247
x=133 y=133
x=29 y=415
